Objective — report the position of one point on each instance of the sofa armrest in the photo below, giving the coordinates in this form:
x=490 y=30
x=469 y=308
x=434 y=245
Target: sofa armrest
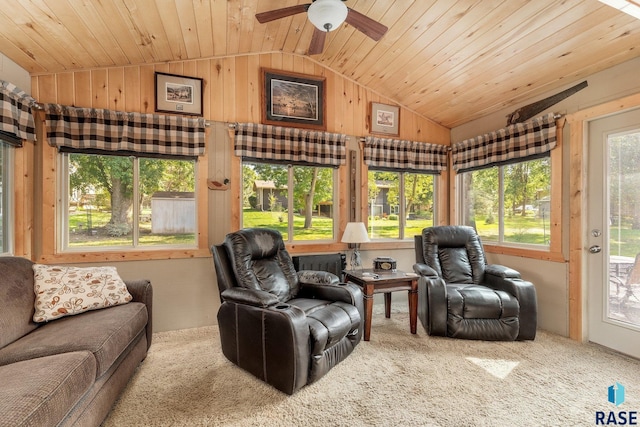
x=253 y=297
x=142 y=291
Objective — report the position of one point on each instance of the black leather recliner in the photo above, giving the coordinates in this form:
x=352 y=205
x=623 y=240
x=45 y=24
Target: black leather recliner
x=460 y=296
x=285 y=327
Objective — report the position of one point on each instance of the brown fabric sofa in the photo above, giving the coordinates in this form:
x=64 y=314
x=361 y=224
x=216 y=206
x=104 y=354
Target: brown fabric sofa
x=71 y=370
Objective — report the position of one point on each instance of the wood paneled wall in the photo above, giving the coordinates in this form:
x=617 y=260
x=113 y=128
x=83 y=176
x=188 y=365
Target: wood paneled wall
x=232 y=88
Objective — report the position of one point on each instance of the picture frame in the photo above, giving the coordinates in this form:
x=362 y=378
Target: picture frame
x=385 y=119
x=178 y=94
x=292 y=99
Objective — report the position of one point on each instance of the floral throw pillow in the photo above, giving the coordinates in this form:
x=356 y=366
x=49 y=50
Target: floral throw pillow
x=64 y=291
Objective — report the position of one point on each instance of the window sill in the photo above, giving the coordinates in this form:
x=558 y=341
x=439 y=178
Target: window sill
x=524 y=253
x=112 y=256
x=299 y=249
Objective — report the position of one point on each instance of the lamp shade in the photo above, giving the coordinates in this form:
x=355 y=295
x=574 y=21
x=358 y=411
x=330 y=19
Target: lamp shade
x=327 y=15
x=355 y=232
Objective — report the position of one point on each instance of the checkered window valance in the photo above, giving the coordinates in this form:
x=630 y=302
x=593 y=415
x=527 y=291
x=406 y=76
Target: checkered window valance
x=515 y=143
x=289 y=145
x=121 y=133
x=403 y=155
x=17 y=117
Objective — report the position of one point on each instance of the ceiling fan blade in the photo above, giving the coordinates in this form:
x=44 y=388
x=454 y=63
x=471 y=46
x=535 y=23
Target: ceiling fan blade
x=272 y=15
x=317 y=41
x=368 y=26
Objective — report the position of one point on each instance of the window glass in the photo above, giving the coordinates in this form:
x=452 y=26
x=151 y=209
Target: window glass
x=509 y=204
x=105 y=194
x=167 y=210
x=400 y=204
x=6 y=205
x=296 y=200
x=419 y=201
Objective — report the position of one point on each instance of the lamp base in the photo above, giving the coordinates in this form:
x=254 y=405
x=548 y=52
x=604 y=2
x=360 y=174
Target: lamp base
x=356 y=261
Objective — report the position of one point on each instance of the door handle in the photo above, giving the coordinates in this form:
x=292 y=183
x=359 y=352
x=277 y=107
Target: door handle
x=595 y=249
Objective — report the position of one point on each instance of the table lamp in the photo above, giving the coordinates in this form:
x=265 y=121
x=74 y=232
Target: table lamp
x=355 y=233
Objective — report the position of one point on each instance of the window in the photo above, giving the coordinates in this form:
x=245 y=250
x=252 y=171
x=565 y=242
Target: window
x=400 y=204
x=132 y=202
x=6 y=202
x=296 y=200
x=509 y=204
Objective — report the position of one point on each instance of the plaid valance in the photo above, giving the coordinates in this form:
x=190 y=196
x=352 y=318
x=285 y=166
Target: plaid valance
x=401 y=155
x=289 y=145
x=117 y=132
x=515 y=143
x=17 y=117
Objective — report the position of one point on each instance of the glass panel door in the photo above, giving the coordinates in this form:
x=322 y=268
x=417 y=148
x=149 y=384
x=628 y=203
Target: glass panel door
x=613 y=194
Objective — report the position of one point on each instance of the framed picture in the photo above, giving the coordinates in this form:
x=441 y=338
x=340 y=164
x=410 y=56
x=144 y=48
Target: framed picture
x=385 y=119
x=178 y=94
x=291 y=99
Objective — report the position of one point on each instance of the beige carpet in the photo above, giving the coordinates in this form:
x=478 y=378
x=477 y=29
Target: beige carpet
x=396 y=379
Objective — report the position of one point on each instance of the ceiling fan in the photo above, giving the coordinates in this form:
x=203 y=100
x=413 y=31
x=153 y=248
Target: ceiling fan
x=327 y=15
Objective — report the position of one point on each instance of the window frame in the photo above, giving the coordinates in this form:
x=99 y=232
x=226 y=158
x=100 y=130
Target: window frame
x=554 y=252
x=8 y=207
x=41 y=245
x=501 y=209
x=290 y=240
x=62 y=237
x=401 y=206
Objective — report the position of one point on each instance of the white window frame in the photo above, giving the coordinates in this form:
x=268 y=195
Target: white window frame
x=63 y=220
x=501 y=242
x=402 y=215
x=290 y=197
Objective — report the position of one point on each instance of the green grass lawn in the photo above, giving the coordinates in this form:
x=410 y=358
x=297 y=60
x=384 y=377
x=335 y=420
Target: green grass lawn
x=81 y=220
x=322 y=228
x=518 y=229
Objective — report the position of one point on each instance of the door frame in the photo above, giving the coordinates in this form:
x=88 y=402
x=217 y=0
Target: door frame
x=578 y=140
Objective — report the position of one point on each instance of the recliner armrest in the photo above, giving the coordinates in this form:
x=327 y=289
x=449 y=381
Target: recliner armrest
x=424 y=270
x=317 y=277
x=525 y=293
x=433 y=313
x=252 y=297
x=502 y=271
x=345 y=292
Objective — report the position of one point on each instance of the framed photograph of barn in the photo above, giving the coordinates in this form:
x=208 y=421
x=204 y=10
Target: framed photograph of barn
x=385 y=119
x=178 y=94
x=295 y=100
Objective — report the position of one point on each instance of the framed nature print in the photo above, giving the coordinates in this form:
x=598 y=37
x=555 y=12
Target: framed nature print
x=178 y=94
x=385 y=119
x=291 y=99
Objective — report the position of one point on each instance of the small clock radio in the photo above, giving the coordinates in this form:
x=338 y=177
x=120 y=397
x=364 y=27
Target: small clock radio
x=384 y=265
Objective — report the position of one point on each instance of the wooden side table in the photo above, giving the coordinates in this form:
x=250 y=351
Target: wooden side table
x=374 y=283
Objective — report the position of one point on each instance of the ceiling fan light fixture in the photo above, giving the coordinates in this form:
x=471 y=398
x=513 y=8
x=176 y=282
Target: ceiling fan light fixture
x=327 y=15
x=631 y=7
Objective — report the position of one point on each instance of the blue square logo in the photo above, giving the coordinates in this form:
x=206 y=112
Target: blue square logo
x=616 y=394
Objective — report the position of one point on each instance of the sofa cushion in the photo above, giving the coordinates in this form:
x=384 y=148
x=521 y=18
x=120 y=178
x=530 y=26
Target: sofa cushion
x=16 y=294
x=105 y=333
x=64 y=291
x=41 y=391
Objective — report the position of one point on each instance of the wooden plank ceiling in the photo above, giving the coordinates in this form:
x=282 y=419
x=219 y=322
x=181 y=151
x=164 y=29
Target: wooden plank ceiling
x=449 y=60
